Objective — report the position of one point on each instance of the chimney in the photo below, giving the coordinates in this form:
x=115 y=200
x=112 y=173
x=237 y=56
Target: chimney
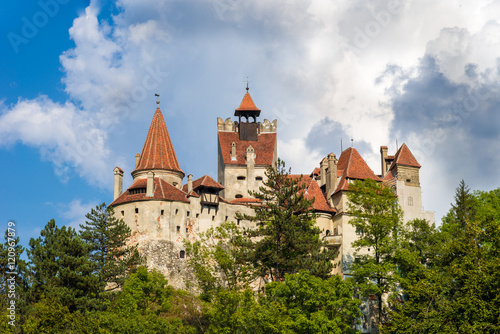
x=331 y=174
x=150 y=185
x=137 y=157
x=322 y=174
x=190 y=183
x=118 y=182
x=383 y=156
x=233 y=151
x=250 y=169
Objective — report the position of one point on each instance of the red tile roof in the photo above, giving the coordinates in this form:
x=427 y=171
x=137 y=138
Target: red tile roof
x=388 y=176
x=405 y=157
x=247 y=103
x=162 y=191
x=353 y=167
x=245 y=200
x=204 y=181
x=312 y=190
x=207 y=181
x=264 y=148
x=316 y=171
x=158 y=151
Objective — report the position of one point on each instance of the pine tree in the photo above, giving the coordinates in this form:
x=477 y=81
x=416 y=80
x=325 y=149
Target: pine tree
x=107 y=237
x=61 y=268
x=287 y=238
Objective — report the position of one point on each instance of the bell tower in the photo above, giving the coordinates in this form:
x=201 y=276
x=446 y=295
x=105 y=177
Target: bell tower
x=248 y=128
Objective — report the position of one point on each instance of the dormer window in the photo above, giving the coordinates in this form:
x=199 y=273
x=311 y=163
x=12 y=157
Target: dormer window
x=137 y=191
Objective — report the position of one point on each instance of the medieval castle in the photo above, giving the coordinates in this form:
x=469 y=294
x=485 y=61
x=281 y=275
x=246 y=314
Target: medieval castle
x=162 y=212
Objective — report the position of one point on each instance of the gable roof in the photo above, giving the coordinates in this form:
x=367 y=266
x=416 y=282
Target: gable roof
x=158 y=151
x=264 y=148
x=404 y=157
x=204 y=181
x=162 y=191
x=312 y=190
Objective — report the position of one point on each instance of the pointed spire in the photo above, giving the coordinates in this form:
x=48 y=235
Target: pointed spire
x=158 y=151
x=247 y=103
x=405 y=157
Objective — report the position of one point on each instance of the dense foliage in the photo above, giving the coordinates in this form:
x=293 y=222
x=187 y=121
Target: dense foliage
x=424 y=279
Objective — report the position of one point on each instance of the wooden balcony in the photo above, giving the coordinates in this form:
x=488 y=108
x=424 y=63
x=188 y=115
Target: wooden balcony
x=209 y=199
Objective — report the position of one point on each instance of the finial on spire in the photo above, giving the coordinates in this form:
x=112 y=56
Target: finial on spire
x=247 y=84
x=157 y=94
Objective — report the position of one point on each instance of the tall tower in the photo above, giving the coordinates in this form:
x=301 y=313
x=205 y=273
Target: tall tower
x=158 y=154
x=245 y=149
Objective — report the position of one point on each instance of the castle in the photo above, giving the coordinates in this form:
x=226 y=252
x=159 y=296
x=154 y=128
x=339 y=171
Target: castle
x=162 y=212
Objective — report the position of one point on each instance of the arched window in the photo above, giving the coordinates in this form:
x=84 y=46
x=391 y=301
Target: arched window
x=410 y=201
x=182 y=254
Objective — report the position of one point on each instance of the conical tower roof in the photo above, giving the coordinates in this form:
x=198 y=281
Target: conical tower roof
x=247 y=103
x=158 y=151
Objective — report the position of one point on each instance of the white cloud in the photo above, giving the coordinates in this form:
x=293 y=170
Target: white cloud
x=75 y=212
x=65 y=135
x=307 y=61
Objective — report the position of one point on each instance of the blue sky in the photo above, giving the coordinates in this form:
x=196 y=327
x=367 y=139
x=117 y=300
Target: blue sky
x=77 y=93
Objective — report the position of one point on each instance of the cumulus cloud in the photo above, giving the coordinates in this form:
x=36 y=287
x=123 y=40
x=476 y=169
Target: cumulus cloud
x=65 y=135
x=376 y=72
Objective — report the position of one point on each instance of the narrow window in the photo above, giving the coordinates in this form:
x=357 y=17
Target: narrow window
x=410 y=201
x=187 y=230
x=238 y=222
x=197 y=215
x=162 y=212
x=136 y=210
x=213 y=218
x=123 y=214
x=188 y=213
x=226 y=218
x=182 y=254
x=176 y=211
x=178 y=228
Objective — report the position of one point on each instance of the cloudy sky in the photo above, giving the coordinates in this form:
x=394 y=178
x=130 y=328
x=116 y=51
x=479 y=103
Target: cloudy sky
x=78 y=81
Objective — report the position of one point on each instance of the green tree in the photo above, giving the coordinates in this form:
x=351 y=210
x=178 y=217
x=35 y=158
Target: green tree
x=287 y=238
x=315 y=305
x=61 y=268
x=461 y=212
x=376 y=214
x=219 y=259
x=14 y=281
x=453 y=287
x=107 y=236
x=143 y=306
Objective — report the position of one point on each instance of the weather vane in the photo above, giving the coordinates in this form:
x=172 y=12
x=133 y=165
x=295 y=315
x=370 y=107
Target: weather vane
x=247 y=83
x=157 y=94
